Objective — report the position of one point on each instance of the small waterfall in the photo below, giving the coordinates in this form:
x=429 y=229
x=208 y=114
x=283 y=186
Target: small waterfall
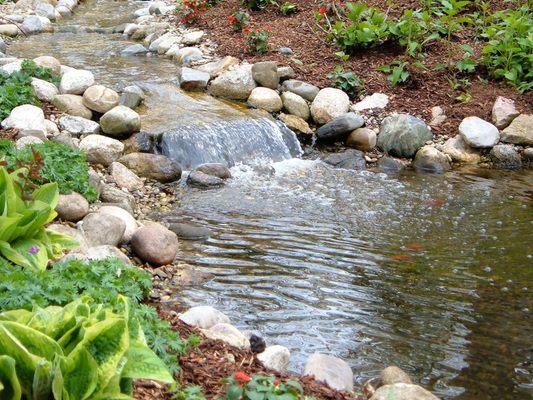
x=196 y=128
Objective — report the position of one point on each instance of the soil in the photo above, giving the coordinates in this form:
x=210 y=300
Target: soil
x=314 y=58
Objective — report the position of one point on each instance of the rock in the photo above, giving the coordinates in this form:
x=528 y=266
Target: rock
x=392 y=375
x=64 y=11
x=215 y=68
x=97 y=253
x=257 y=343
x=120 y=122
x=37 y=134
x=101 y=149
x=44 y=90
x=375 y=101
x=296 y=123
x=503 y=112
x=72 y=207
x=130 y=29
x=215 y=169
x=51 y=128
x=265 y=73
x=49 y=62
x=429 y=159
x=302 y=89
x=66 y=139
x=102 y=229
x=187 y=276
x=229 y=334
x=460 y=152
x=478 y=133
x=329 y=104
x=192 y=38
x=338 y=127
x=46 y=10
x=335 y=372
x=285 y=73
x=520 y=131
x=192 y=79
x=131 y=96
x=155 y=244
x=190 y=232
x=234 y=84
x=295 y=105
x=187 y=55
x=203 y=317
x=76 y=81
x=142 y=12
x=363 y=139
x=140 y=142
x=527 y=155
x=275 y=358
x=265 y=99
x=27 y=141
x=402 y=135
x=389 y=164
x=348 y=159
x=36 y=24
x=78 y=126
x=26 y=117
x=10 y=30
x=3 y=47
x=117 y=197
x=203 y=181
x=403 y=391
x=164 y=43
x=72 y=232
x=100 y=99
x=130 y=223
x=505 y=156
x=72 y=104
x=64 y=69
x=437 y=116
x=153 y=166
x=133 y=50
x=11 y=67
x=124 y=177
x=286 y=51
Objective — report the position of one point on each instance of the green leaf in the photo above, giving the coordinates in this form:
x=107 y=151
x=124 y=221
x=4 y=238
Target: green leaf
x=42 y=381
x=144 y=363
x=80 y=374
x=9 y=383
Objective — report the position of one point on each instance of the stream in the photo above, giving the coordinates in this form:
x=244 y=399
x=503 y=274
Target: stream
x=429 y=272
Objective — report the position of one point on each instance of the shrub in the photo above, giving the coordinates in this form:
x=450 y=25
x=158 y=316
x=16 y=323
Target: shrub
x=259 y=387
x=23 y=214
x=347 y=81
x=75 y=352
x=256 y=39
x=190 y=10
x=288 y=8
x=239 y=20
x=413 y=30
x=60 y=163
x=397 y=72
x=257 y=4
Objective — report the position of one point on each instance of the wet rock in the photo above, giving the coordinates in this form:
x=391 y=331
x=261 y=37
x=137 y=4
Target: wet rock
x=392 y=375
x=295 y=105
x=187 y=276
x=203 y=181
x=140 y=142
x=348 y=159
x=333 y=371
x=26 y=117
x=192 y=38
x=131 y=96
x=402 y=135
x=153 y=166
x=520 y=131
x=10 y=30
x=120 y=122
x=285 y=73
x=265 y=99
x=36 y=24
x=234 y=84
x=100 y=99
x=265 y=73
x=229 y=334
x=192 y=79
x=134 y=50
x=339 y=127
x=72 y=207
x=101 y=149
x=76 y=81
x=215 y=68
x=78 y=126
x=155 y=244
x=363 y=139
x=72 y=104
x=124 y=177
x=429 y=159
x=275 y=358
x=302 y=89
x=503 y=112
x=27 y=141
x=96 y=253
x=44 y=90
x=390 y=164
x=189 y=231
x=296 y=123
x=375 y=101
x=505 y=156
x=215 y=169
x=329 y=104
x=478 y=133
x=130 y=223
x=460 y=151
x=117 y=197
x=163 y=46
x=102 y=229
x=204 y=317
x=187 y=55
x=403 y=391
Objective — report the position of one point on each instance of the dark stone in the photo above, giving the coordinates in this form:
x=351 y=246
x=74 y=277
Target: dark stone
x=200 y=180
x=152 y=166
x=349 y=159
x=402 y=135
x=286 y=51
x=140 y=142
x=389 y=164
x=505 y=156
x=215 y=169
x=190 y=232
x=257 y=344
x=339 y=127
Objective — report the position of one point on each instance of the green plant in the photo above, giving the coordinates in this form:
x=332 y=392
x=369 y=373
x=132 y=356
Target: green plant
x=467 y=64
x=190 y=10
x=23 y=238
x=259 y=387
x=413 y=30
x=190 y=393
x=347 y=81
x=288 y=8
x=75 y=352
x=256 y=39
x=257 y=4
x=62 y=164
x=397 y=72
x=239 y=20
x=462 y=87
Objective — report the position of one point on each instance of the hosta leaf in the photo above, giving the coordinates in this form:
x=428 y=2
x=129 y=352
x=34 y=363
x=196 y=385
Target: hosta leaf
x=34 y=251
x=81 y=374
x=144 y=363
x=34 y=341
x=9 y=383
x=14 y=256
x=42 y=381
x=48 y=194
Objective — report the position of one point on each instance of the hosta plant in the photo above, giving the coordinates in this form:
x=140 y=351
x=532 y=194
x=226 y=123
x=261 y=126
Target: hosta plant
x=23 y=214
x=75 y=352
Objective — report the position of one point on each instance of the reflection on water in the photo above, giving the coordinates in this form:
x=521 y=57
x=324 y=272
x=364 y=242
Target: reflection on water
x=428 y=272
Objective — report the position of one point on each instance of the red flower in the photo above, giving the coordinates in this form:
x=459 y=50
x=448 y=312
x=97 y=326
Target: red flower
x=246 y=31
x=232 y=19
x=267 y=28
x=323 y=10
x=276 y=382
x=242 y=377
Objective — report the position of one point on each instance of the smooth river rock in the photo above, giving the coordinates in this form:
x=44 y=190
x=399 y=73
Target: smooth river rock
x=265 y=73
x=403 y=391
x=131 y=225
x=155 y=244
x=402 y=135
x=101 y=149
x=234 y=84
x=192 y=79
x=102 y=229
x=215 y=169
x=479 y=133
x=153 y=166
x=72 y=104
x=204 y=317
x=120 y=122
x=26 y=117
x=229 y=334
x=189 y=231
x=78 y=126
x=339 y=127
x=76 y=81
x=363 y=139
x=275 y=358
x=295 y=105
x=100 y=99
x=520 y=131
x=124 y=177
x=348 y=159
x=333 y=371
x=329 y=104
x=202 y=180
x=265 y=99
x=72 y=207
x=44 y=90
x=429 y=159
x=302 y=89
x=460 y=151
x=503 y=112
x=215 y=68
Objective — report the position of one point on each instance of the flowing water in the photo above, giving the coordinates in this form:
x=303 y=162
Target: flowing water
x=432 y=273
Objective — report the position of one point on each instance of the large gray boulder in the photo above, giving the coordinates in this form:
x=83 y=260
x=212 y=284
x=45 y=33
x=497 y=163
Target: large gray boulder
x=153 y=166
x=479 y=133
x=302 y=89
x=333 y=371
x=102 y=229
x=100 y=99
x=234 y=84
x=72 y=104
x=340 y=126
x=204 y=317
x=329 y=104
x=402 y=135
x=429 y=159
x=265 y=73
x=155 y=244
x=520 y=131
x=120 y=122
x=101 y=149
x=26 y=117
x=76 y=81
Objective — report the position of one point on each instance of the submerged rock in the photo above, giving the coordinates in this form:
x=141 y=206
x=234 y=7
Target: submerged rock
x=392 y=375
x=402 y=135
x=189 y=231
x=215 y=169
x=390 y=164
x=204 y=317
x=348 y=159
x=333 y=371
x=134 y=50
x=204 y=181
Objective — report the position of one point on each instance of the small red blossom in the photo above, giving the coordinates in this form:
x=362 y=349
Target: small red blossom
x=323 y=10
x=276 y=382
x=246 y=31
x=242 y=377
x=232 y=19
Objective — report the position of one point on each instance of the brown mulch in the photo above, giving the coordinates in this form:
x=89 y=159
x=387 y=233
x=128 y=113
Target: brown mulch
x=300 y=33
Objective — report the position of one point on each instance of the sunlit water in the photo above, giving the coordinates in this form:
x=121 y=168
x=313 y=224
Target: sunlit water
x=432 y=273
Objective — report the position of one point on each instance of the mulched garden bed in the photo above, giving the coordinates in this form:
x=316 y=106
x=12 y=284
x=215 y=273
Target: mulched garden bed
x=300 y=32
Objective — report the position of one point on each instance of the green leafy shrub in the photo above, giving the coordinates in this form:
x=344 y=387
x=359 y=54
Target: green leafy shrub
x=23 y=238
x=60 y=163
x=397 y=72
x=288 y=8
x=256 y=39
x=242 y=386
x=413 y=30
x=467 y=64
x=347 y=81
x=75 y=352
x=190 y=393
x=257 y=4
x=239 y=20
